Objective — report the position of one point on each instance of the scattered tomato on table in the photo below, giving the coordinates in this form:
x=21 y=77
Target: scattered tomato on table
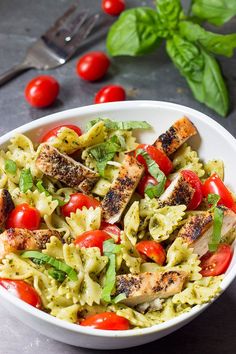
x=93 y=66
x=24 y=216
x=113 y=7
x=110 y=93
x=42 y=91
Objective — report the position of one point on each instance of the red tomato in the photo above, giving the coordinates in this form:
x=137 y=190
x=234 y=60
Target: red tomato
x=106 y=320
x=94 y=238
x=152 y=250
x=42 y=91
x=22 y=290
x=216 y=263
x=113 y=7
x=24 y=216
x=111 y=229
x=214 y=184
x=78 y=201
x=196 y=184
x=111 y=93
x=147 y=180
x=157 y=155
x=54 y=132
x=93 y=66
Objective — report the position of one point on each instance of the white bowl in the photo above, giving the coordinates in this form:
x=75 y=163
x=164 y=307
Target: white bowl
x=213 y=142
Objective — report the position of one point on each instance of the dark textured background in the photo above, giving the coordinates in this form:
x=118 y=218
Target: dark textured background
x=151 y=77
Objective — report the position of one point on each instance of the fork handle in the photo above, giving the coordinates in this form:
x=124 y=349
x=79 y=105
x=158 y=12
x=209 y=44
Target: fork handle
x=13 y=72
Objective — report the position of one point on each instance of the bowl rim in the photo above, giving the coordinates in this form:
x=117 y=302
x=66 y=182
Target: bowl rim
x=103 y=108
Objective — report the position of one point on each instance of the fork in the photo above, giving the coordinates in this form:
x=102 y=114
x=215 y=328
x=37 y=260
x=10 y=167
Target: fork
x=57 y=45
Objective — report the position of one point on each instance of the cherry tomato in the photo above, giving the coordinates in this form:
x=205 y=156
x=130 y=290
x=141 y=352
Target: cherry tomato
x=111 y=93
x=112 y=230
x=196 y=184
x=42 y=91
x=157 y=155
x=93 y=66
x=152 y=250
x=215 y=185
x=147 y=180
x=94 y=238
x=54 y=132
x=216 y=263
x=113 y=7
x=22 y=290
x=24 y=216
x=106 y=320
x=78 y=201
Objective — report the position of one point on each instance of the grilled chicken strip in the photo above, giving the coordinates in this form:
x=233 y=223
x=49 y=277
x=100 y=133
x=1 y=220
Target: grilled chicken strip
x=146 y=287
x=13 y=240
x=6 y=205
x=178 y=192
x=121 y=190
x=63 y=168
x=175 y=136
x=197 y=231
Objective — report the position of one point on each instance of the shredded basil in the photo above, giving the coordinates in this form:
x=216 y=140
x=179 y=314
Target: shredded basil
x=213 y=200
x=26 y=180
x=58 y=265
x=119 y=298
x=112 y=125
x=57 y=274
x=42 y=189
x=154 y=170
x=10 y=166
x=217 y=226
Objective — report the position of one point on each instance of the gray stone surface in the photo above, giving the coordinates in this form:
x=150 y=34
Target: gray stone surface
x=150 y=77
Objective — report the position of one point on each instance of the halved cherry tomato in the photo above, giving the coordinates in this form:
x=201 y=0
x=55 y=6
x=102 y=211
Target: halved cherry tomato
x=93 y=66
x=215 y=185
x=42 y=91
x=157 y=155
x=196 y=184
x=24 y=216
x=147 y=180
x=216 y=263
x=54 y=132
x=111 y=93
x=152 y=250
x=22 y=290
x=112 y=230
x=106 y=320
x=113 y=7
x=94 y=238
x=78 y=201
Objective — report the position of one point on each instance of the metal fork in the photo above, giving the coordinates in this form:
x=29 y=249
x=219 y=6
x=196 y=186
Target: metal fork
x=57 y=45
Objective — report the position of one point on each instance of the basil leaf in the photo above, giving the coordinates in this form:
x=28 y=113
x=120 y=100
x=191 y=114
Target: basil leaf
x=10 y=166
x=109 y=247
x=154 y=170
x=58 y=265
x=136 y=32
x=169 y=12
x=217 y=226
x=216 y=12
x=26 y=180
x=105 y=152
x=57 y=274
x=112 y=125
x=215 y=43
x=41 y=188
x=118 y=298
x=213 y=200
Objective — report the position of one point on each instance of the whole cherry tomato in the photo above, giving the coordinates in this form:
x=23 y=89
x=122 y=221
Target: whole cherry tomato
x=93 y=66
x=22 y=290
x=157 y=155
x=93 y=238
x=196 y=184
x=216 y=263
x=24 y=216
x=106 y=320
x=148 y=180
x=111 y=93
x=152 y=250
x=42 y=91
x=54 y=132
x=113 y=7
x=78 y=201
x=215 y=185
x=112 y=230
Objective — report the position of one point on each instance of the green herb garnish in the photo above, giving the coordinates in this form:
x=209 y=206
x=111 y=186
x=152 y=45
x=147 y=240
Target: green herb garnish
x=26 y=180
x=10 y=166
x=42 y=189
x=213 y=200
x=58 y=265
x=217 y=226
x=57 y=274
x=112 y=125
x=119 y=298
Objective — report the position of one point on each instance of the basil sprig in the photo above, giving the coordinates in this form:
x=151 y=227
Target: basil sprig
x=154 y=170
x=26 y=180
x=10 y=166
x=119 y=125
x=191 y=48
x=218 y=216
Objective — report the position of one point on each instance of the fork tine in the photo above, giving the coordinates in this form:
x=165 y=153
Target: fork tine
x=85 y=30
x=60 y=21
